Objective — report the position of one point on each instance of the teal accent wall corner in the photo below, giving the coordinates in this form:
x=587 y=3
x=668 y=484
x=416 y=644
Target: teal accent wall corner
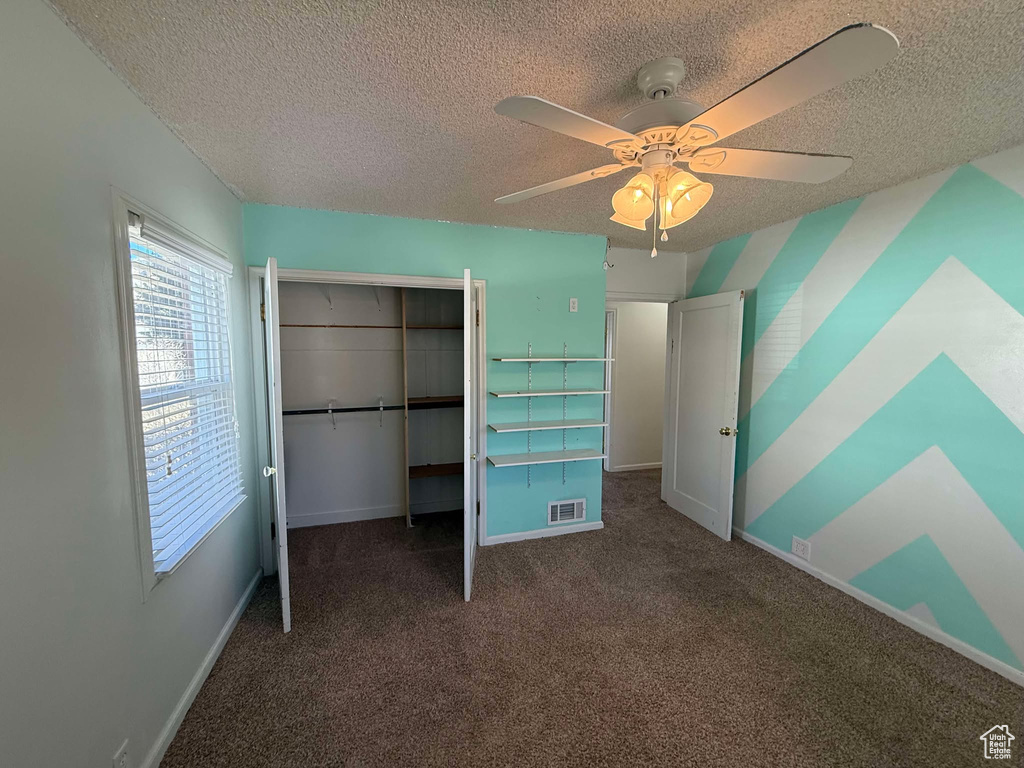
x=882 y=395
x=919 y=574
x=530 y=275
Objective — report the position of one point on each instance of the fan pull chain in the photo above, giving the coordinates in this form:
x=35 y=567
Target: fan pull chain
x=654 y=234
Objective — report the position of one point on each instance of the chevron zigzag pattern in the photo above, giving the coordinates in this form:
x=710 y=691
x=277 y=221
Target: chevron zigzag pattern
x=882 y=394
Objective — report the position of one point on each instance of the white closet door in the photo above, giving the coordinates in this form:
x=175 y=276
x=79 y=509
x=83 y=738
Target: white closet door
x=272 y=337
x=702 y=395
x=470 y=491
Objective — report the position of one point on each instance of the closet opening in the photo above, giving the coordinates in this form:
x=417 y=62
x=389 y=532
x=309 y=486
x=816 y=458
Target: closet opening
x=373 y=411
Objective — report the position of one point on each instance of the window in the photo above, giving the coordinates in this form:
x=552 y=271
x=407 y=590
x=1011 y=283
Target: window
x=182 y=420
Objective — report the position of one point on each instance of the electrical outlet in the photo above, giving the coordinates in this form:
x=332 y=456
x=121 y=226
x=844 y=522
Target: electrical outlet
x=801 y=548
x=121 y=756
x=574 y=305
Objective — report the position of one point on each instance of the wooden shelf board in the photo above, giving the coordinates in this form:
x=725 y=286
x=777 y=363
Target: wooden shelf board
x=550 y=392
x=536 y=426
x=435 y=470
x=544 y=457
x=553 y=359
x=440 y=401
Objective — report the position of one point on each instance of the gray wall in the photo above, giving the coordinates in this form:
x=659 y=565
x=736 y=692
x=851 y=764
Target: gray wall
x=84 y=662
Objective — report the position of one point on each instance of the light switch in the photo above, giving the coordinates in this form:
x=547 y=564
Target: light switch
x=574 y=305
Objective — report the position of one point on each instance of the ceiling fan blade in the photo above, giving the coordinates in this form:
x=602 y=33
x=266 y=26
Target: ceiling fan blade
x=849 y=53
x=544 y=114
x=568 y=181
x=763 y=164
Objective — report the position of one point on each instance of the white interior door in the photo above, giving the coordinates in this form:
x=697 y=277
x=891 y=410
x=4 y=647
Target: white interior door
x=272 y=339
x=702 y=396
x=469 y=430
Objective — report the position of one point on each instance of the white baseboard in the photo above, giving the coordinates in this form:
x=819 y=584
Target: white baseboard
x=163 y=741
x=370 y=513
x=631 y=467
x=999 y=667
x=541 y=533
x=345 y=516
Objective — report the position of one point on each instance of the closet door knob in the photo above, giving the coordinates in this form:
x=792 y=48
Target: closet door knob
x=268 y=471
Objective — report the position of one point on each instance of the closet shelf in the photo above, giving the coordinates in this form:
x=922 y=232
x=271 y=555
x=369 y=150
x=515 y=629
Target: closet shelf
x=553 y=359
x=435 y=470
x=544 y=457
x=434 y=327
x=440 y=401
x=536 y=426
x=550 y=392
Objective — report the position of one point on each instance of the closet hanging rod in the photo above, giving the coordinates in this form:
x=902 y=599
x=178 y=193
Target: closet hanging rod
x=307 y=411
x=333 y=325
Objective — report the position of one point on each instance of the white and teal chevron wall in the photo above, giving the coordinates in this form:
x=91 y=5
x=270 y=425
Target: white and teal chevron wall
x=882 y=397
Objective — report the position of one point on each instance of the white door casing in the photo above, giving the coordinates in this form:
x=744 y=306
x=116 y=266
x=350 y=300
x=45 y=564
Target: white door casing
x=702 y=375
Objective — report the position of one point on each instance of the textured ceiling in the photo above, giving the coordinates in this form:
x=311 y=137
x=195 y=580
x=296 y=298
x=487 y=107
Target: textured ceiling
x=387 y=107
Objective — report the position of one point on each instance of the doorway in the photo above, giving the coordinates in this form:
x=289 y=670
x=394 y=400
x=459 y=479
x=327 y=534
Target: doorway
x=463 y=320
x=674 y=399
x=635 y=333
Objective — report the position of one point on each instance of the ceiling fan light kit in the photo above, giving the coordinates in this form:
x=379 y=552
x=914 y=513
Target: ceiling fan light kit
x=675 y=195
x=666 y=134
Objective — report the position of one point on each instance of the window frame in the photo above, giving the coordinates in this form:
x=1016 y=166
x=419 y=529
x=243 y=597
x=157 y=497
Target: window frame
x=194 y=247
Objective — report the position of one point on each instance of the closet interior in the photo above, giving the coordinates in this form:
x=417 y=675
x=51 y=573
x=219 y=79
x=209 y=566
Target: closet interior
x=372 y=390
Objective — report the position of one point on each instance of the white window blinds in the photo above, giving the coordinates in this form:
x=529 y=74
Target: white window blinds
x=189 y=432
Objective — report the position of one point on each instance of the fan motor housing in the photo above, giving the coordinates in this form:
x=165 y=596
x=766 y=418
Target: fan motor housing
x=658 y=114
x=655 y=122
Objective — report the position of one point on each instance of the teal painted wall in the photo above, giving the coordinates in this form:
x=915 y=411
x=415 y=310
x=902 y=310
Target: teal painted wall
x=531 y=276
x=882 y=395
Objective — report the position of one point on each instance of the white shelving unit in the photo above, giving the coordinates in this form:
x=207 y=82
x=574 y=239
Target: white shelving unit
x=544 y=457
x=530 y=426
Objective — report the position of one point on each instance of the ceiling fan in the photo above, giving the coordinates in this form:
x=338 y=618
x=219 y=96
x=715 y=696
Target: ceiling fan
x=667 y=133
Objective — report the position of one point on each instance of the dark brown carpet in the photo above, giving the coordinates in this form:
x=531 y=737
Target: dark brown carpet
x=648 y=643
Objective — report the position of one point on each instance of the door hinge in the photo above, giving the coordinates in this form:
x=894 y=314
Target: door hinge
x=263 y=313
x=478 y=318
x=273 y=530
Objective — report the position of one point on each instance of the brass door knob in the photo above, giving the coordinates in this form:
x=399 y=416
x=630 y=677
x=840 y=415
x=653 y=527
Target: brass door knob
x=726 y=431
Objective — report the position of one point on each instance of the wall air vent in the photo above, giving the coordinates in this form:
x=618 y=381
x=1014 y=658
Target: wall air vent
x=571 y=511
